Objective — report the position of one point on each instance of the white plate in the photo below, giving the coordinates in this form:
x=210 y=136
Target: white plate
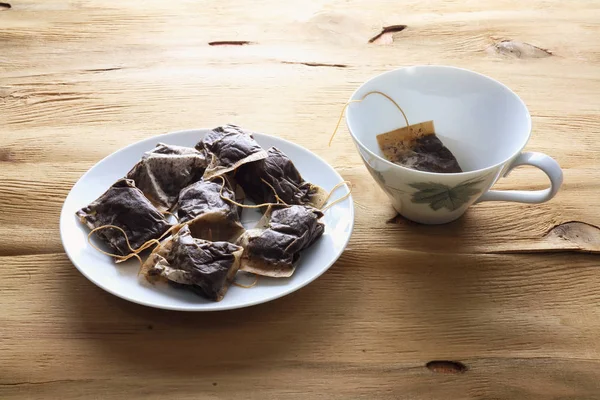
x=122 y=280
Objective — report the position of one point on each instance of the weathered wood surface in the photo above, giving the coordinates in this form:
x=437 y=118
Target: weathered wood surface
x=511 y=291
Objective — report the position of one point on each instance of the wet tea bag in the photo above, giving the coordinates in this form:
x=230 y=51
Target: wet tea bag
x=418 y=147
x=207 y=214
x=274 y=245
x=227 y=148
x=208 y=268
x=277 y=175
x=125 y=206
x=165 y=170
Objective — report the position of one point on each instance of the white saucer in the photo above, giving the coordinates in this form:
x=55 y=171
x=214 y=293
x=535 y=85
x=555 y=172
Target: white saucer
x=122 y=280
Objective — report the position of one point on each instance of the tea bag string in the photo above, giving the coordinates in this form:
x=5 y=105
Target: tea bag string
x=250 y=285
x=133 y=252
x=279 y=201
x=172 y=215
x=348 y=184
x=337 y=126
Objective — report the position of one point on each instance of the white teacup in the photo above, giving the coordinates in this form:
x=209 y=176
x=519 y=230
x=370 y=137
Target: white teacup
x=483 y=123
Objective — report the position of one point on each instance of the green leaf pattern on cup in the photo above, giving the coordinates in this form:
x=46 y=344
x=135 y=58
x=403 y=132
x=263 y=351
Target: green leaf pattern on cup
x=387 y=188
x=439 y=196
x=436 y=195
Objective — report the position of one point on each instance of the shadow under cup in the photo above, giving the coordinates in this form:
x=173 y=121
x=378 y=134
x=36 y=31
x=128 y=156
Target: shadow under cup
x=483 y=123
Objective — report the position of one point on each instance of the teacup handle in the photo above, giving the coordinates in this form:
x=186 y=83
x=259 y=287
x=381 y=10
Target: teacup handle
x=543 y=162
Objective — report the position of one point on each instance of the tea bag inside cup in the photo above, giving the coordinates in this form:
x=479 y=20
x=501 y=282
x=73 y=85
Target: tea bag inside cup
x=413 y=146
x=418 y=147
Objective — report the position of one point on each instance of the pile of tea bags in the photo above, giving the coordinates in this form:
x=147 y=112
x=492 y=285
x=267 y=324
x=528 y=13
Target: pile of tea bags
x=204 y=188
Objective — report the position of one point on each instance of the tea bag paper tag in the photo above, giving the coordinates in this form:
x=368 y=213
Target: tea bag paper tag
x=395 y=143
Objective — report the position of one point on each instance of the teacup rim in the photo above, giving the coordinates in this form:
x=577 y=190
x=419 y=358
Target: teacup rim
x=439 y=174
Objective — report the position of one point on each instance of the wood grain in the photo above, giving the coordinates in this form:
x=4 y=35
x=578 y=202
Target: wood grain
x=509 y=290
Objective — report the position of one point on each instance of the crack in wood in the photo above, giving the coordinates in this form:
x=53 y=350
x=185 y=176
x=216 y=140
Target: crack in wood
x=103 y=69
x=563 y=228
x=585 y=237
x=446 y=367
x=58 y=99
x=566 y=237
x=520 y=49
x=395 y=219
x=45 y=382
x=385 y=36
x=5 y=5
x=33 y=98
x=316 y=64
x=24 y=95
x=230 y=43
x=6 y=155
x=398 y=218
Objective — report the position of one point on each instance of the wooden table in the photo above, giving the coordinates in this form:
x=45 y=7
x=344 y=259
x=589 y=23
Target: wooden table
x=510 y=292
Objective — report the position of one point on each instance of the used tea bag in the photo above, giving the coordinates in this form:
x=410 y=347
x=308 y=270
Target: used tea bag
x=418 y=147
x=125 y=206
x=272 y=248
x=206 y=267
x=227 y=148
x=207 y=214
x=278 y=171
x=165 y=170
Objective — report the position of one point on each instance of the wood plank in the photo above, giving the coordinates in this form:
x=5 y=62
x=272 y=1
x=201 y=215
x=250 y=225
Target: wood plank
x=32 y=208
x=365 y=322
x=488 y=379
